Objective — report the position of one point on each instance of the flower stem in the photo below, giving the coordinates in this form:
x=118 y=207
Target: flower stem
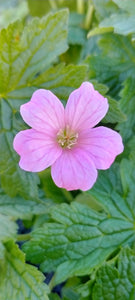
x=80 y=6
x=89 y=15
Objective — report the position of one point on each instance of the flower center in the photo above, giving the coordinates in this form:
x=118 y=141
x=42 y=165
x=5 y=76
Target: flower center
x=67 y=138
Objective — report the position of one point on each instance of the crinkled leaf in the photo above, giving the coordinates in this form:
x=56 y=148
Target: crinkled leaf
x=61 y=79
x=127 y=105
x=81 y=239
x=127 y=172
x=115 y=62
x=20 y=208
x=114 y=114
x=26 y=51
x=110 y=190
x=13 y=180
x=8 y=228
x=116 y=281
x=20 y=280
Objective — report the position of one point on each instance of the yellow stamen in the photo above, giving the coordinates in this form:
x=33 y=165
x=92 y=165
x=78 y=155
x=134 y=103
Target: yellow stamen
x=67 y=138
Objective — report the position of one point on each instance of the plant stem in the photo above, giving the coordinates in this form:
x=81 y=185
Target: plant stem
x=80 y=6
x=53 y=4
x=23 y=237
x=89 y=15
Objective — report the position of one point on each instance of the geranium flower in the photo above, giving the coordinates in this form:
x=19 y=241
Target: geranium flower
x=65 y=138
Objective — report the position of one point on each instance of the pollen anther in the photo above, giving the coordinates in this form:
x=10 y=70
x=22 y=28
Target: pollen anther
x=66 y=138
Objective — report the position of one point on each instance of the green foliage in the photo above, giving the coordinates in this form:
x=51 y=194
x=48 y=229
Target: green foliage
x=82 y=237
x=10 y=13
x=19 y=280
x=8 y=228
x=115 y=63
x=61 y=79
x=127 y=105
x=122 y=20
x=116 y=281
x=24 y=55
x=20 y=208
x=51 y=190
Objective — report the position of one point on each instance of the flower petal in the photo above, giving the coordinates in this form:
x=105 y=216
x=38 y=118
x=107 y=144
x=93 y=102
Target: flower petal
x=43 y=111
x=103 y=145
x=85 y=107
x=74 y=170
x=37 y=150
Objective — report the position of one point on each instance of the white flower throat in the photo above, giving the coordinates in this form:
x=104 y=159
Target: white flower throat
x=67 y=138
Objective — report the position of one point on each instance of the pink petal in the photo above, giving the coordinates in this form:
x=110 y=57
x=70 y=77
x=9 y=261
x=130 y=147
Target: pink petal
x=102 y=144
x=74 y=170
x=37 y=150
x=43 y=111
x=85 y=107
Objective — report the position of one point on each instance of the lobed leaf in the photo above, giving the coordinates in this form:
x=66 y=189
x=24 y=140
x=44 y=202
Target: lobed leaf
x=79 y=240
x=20 y=280
x=114 y=63
x=116 y=282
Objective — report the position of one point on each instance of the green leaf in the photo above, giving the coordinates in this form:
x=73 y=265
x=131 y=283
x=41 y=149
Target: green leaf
x=99 y=30
x=13 y=180
x=114 y=114
x=61 y=79
x=11 y=14
x=8 y=228
x=81 y=238
x=131 y=145
x=24 y=53
x=76 y=35
x=127 y=172
x=54 y=296
x=109 y=191
x=19 y=280
x=127 y=105
x=51 y=190
x=103 y=8
x=114 y=63
x=126 y=5
x=20 y=208
x=116 y=281
x=33 y=49
x=117 y=21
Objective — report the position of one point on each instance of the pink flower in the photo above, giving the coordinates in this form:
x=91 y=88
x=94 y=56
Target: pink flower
x=66 y=139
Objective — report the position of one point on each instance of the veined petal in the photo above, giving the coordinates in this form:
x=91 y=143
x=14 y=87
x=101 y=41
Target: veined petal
x=43 y=111
x=74 y=170
x=102 y=144
x=38 y=151
x=85 y=107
